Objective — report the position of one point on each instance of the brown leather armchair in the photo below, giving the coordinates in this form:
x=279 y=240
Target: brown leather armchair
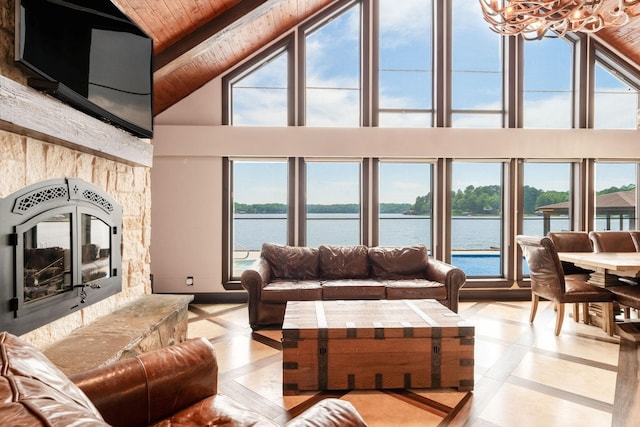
x=173 y=386
x=548 y=281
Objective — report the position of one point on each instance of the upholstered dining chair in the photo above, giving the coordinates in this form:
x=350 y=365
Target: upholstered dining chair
x=574 y=241
x=616 y=241
x=612 y=241
x=547 y=281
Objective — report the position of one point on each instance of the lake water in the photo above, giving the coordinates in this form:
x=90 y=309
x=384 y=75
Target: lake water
x=475 y=240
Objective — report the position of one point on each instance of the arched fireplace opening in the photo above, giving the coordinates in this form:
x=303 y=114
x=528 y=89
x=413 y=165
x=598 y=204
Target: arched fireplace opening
x=61 y=252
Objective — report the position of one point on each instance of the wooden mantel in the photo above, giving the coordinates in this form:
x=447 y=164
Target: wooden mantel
x=26 y=111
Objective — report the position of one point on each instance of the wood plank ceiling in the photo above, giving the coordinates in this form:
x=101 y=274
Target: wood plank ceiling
x=197 y=40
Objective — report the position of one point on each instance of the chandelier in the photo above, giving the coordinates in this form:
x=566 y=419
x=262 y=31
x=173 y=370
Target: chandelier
x=534 y=19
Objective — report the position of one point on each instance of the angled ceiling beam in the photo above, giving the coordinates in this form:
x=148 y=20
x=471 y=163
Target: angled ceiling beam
x=205 y=32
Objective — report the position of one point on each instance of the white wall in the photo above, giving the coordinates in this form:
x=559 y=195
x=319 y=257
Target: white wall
x=189 y=145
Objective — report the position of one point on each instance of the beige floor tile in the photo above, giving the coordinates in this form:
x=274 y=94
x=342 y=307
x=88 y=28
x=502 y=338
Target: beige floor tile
x=215 y=308
x=522 y=407
x=494 y=328
x=384 y=410
x=266 y=381
x=578 y=346
x=588 y=381
x=205 y=328
x=238 y=351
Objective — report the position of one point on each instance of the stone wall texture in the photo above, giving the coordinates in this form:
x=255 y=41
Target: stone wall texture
x=25 y=161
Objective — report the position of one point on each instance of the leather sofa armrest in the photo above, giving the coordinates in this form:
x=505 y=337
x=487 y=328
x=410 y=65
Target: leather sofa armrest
x=330 y=412
x=253 y=280
x=452 y=277
x=257 y=276
x=152 y=386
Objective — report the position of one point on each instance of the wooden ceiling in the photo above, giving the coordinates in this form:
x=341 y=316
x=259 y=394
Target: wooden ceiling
x=197 y=40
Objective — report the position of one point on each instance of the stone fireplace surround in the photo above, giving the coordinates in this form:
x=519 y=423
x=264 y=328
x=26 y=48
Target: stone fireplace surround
x=43 y=139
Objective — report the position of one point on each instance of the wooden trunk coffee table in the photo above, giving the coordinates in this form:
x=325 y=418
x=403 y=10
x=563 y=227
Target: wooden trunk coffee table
x=375 y=344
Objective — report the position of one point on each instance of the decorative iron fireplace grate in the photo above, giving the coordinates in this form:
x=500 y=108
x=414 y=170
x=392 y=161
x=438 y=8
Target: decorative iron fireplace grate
x=61 y=251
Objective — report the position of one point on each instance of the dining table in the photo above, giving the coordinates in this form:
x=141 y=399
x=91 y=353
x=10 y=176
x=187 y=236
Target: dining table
x=608 y=267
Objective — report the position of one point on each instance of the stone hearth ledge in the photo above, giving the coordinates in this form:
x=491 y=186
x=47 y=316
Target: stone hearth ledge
x=147 y=323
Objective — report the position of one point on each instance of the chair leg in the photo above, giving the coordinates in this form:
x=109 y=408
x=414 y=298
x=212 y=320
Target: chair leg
x=560 y=318
x=576 y=311
x=534 y=307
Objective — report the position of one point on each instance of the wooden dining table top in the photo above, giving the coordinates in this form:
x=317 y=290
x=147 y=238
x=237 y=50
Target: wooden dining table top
x=617 y=261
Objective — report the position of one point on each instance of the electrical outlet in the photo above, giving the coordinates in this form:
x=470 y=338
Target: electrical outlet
x=189 y=280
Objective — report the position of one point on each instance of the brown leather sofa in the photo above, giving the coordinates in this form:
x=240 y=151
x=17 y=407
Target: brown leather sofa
x=293 y=273
x=174 y=386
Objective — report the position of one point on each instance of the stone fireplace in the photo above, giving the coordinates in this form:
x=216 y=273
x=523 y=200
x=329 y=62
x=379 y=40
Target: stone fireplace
x=42 y=139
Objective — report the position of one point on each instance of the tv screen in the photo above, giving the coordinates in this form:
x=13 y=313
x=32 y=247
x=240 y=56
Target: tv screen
x=91 y=55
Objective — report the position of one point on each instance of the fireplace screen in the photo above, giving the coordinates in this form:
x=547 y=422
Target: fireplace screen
x=47 y=258
x=61 y=252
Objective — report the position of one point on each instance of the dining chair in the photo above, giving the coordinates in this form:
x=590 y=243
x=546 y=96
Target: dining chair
x=574 y=241
x=548 y=281
x=612 y=241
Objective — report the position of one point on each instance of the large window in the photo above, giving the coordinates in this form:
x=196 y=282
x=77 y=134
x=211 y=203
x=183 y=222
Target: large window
x=259 y=97
x=546 y=198
x=333 y=209
x=332 y=65
x=260 y=209
x=418 y=64
x=405 y=64
x=616 y=102
x=548 y=91
x=615 y=196
x=476 y=75
x=476 y=225
x=405 y=207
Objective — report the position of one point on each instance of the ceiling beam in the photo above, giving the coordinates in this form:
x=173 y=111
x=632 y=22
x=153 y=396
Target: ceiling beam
x=205 y=32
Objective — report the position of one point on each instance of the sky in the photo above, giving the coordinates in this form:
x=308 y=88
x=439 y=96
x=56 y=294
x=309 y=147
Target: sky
x=332 y=59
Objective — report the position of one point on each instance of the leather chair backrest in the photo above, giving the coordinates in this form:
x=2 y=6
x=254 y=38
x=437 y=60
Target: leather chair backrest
x=635 y=236
x=612 y=241
x=547 y=276
x=571 y=241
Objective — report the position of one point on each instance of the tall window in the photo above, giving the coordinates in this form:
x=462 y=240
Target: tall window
x=405 y=67
x=476 y=87
x=259 y=209
x=616 y=102
x=477 y=205
x=333 y=203
x=548 y=91
x=332 y=58
x=405 y=208
x=547 y=198
x=615 y=196
x=259 y=97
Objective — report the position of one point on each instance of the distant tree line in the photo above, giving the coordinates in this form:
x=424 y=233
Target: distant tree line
x=281 y=208
x=482 y=200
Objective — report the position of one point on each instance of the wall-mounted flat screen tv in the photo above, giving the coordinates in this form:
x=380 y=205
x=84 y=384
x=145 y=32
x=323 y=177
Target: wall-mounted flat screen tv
x=90 y=55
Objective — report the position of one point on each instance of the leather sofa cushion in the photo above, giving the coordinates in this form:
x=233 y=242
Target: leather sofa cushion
x=343 y=262
x=353 y=289
x=33 y=389
x=291 y=262
x=287 y=290
x=408 y=262
x=416 y=288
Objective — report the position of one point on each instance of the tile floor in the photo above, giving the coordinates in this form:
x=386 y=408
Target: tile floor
x=524 y=374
